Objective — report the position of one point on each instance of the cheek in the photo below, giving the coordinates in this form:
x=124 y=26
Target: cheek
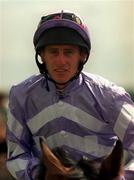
x=75 y=64
x=49 y=64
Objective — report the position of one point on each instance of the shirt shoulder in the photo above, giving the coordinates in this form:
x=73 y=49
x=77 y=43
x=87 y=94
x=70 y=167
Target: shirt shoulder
x=24 y=89
x=28 y=84
x=102 y=84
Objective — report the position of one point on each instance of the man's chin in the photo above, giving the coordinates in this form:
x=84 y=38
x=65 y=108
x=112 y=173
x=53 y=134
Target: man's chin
x=61 y=82
x=60 y=79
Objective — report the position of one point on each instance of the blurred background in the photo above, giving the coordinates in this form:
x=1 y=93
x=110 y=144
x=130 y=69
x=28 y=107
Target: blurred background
x=111 y=28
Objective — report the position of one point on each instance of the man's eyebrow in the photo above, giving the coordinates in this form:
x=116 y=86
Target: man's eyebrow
x=69 y=48
x=52 y=48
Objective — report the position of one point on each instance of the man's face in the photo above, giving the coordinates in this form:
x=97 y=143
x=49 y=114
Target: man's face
x=62 y=61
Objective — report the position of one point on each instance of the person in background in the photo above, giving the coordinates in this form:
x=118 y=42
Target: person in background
x=4 y=173
x=81 y=112
x=3 y=105
x=3 y=120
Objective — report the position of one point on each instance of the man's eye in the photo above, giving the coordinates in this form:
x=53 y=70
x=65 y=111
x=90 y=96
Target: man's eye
x=53 y=52
x=68 y=52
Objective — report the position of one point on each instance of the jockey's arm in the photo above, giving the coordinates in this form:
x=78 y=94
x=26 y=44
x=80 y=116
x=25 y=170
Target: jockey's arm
x=124 y=129
x=21 y=160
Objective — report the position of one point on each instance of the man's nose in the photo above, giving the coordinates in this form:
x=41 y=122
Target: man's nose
x=61 y=58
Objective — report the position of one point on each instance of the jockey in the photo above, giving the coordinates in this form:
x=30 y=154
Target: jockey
x=81 y=112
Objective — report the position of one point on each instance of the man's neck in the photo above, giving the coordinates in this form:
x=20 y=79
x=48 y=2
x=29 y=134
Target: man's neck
x=60 y=87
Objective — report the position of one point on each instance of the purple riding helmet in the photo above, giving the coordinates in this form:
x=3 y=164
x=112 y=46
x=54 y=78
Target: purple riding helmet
x=61 y=28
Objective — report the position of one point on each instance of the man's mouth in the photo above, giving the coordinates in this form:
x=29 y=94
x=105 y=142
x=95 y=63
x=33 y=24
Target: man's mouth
x=60 y=70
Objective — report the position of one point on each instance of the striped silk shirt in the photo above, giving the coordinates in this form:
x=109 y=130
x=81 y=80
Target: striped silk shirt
x=85 y=119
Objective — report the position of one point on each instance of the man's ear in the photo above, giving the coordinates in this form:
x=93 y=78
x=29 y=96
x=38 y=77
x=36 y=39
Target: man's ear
x=83 y=55
x=42 y=56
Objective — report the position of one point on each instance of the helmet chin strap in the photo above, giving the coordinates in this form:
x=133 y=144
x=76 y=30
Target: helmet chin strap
x=44 y=71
